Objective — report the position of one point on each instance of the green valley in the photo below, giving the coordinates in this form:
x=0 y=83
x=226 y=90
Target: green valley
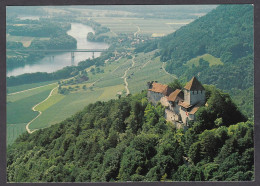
x=96 y=120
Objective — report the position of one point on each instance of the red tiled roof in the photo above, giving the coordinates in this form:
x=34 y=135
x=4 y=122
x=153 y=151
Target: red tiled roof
x=184 y=104
x=160 y=88
x=194 y=84
x=177 y=94
x=194 y=110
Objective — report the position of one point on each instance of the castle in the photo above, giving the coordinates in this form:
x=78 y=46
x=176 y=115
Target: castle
x=180 y=105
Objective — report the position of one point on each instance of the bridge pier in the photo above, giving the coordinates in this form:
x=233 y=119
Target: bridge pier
x=72 y=58
x=93 y=55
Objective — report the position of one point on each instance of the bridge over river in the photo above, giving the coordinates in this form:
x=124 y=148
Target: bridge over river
x=72 y=51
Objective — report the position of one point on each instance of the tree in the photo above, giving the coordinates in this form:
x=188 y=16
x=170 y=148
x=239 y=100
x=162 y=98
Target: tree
x=175 y=85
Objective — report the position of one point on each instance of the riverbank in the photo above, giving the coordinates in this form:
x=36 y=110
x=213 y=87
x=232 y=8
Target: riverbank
x=57 y=61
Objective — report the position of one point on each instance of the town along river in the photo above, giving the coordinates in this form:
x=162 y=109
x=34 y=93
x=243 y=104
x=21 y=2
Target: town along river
x=56 y=61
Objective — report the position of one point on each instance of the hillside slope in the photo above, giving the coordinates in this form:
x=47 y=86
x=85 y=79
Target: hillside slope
x=129 y=140
x=225 y=33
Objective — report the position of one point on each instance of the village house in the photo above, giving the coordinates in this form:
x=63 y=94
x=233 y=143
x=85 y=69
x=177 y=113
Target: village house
x=180 y=105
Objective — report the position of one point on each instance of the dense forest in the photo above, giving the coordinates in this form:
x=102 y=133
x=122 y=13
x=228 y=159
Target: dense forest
x=128 y=139
x=225 y=33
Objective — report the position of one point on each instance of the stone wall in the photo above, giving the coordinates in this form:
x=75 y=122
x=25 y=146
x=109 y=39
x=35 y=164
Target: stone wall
x=193 y=97
x=154 y=97
x=164 y=101
x=183 y=116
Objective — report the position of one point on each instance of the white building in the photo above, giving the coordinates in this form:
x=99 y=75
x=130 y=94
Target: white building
x=180 y=105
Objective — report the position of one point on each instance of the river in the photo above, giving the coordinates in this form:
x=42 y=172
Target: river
x=54 y=62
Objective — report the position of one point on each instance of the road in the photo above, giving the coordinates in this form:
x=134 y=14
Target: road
x=138 y=30
x=125 y=76
x=167 y=72
x=33 y=108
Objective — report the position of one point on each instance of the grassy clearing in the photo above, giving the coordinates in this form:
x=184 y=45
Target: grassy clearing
x=13 y=131
x=207 y=57
x=28 y=86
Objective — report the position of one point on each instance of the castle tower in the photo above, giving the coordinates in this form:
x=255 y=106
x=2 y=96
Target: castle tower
x=194 y=92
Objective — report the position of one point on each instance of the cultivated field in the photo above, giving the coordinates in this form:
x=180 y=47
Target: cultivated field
x=146 y=26
x=147 y=69
x=141 y=26
x=102 y=87
x=19 y=109
x=23 y=87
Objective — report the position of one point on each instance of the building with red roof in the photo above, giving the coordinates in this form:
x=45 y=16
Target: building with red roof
x=180 y=105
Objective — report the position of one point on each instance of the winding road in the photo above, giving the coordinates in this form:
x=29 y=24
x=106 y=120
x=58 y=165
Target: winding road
x=126 y=84
x=138 y=30
x=33 y=108
x=166 y=71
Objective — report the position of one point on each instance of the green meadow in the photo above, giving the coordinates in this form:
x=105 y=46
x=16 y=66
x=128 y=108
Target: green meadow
x=101 y=86
x=28 y=86
x=19 y=109
x=106 y=86
x=207 y=57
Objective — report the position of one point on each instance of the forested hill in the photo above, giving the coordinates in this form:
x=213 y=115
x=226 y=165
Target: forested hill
x=225 y=33
x=217 y=47
x=129 y=140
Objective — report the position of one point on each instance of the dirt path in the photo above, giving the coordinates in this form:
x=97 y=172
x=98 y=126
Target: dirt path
x=167 y=72
x=124 y=77
x=29 y=89
x=138 y=30
x=33 y=108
